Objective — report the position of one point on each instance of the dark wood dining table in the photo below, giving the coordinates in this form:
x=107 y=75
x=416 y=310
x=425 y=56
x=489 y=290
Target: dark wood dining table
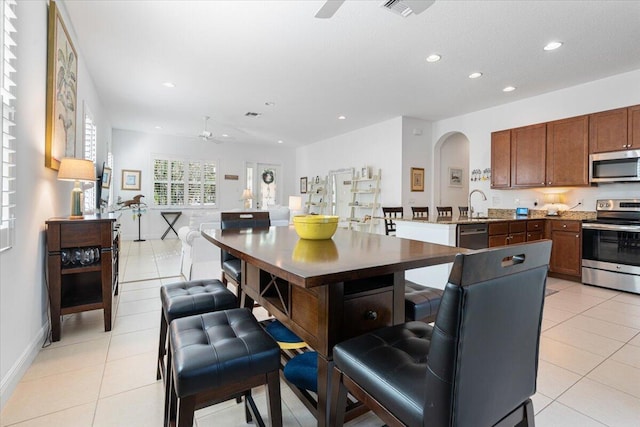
x=327 y=291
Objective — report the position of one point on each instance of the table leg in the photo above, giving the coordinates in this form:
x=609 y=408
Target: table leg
x=324 y=390
x=171 y=224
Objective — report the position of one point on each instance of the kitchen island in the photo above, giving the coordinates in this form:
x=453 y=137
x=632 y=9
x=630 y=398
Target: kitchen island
x=327 y=291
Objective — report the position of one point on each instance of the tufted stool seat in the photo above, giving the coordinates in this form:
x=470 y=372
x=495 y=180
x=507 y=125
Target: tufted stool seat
x=219 y=356
x=183 y=299
x=421 y=302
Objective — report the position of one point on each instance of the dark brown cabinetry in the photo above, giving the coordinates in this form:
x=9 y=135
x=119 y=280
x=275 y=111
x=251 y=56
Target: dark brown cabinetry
x=633 y=136
x=501 y=159
x=535 y=230
x=507 y=233
x=568 y=152
x=608 y=131
x=566 y=252
x=528 y=156
x=82 y=267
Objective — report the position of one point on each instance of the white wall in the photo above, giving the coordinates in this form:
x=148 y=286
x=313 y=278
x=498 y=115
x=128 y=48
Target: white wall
x=416 y=153
x=134 y=150
x=612 y=92
x=378 y=146
x=23 y=297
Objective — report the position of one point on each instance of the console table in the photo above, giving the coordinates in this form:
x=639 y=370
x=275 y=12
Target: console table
x=82 y=266
x=327 y=291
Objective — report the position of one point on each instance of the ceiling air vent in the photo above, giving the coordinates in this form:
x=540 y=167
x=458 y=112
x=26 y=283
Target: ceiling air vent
x=407 y=7
x=252 y=114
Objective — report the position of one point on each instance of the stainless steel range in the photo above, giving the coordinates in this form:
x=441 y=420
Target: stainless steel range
x=611 y=246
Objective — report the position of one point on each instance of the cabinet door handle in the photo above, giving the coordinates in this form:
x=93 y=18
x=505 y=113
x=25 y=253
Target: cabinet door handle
x=577 y=236
x=549 y=183
x=370 y=315
x=564 y=225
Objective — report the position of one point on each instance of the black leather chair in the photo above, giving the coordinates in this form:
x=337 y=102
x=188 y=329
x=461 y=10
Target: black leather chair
x=477 y=366
x=389 y=215
x=231 y=266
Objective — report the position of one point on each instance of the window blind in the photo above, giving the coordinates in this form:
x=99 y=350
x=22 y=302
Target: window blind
x=90 y=143
x=8 y=153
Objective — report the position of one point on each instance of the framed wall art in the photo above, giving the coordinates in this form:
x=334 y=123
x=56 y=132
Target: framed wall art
x=455 y=177
x=130 y=180
x=303 y=185
x=417 y=179
x=106 y=177
x=62 y=85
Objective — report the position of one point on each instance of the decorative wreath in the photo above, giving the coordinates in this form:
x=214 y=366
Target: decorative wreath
x=268 y=177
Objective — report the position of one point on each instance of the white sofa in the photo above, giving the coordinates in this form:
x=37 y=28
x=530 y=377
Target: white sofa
x=200 y=259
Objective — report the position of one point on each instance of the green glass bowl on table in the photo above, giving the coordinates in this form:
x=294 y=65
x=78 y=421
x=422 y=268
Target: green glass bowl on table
x=315 y=227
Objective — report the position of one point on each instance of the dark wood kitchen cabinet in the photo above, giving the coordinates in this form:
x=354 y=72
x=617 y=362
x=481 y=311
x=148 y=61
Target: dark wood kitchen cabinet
x=608 y=131
x=535 y=229
x=528 y=156
x=568 y=152
x=82 y=267
x=633 y=137
x=507 y=233
x=566 y=251
x=501 y=159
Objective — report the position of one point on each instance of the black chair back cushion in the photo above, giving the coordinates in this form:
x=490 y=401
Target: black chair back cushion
x=483 y=358
x=235 y=220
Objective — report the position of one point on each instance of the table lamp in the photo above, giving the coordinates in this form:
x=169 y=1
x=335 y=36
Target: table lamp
x=247 y=196
x=295 y=206
x=552 y=198
x=72 y=169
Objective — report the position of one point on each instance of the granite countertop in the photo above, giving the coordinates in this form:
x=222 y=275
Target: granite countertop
x=496 y=215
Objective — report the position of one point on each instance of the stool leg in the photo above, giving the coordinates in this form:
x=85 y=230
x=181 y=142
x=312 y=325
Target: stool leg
x=162 y=347
x=186 y=409
x=170 y=397
x=273 y=399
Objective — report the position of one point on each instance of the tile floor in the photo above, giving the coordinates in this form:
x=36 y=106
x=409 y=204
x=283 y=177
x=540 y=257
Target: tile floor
x=589 y=372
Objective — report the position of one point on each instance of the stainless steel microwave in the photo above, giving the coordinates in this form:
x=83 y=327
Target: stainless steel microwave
x=618 y=166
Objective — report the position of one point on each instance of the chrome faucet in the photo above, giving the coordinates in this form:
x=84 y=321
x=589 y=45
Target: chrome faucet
x=484 y=197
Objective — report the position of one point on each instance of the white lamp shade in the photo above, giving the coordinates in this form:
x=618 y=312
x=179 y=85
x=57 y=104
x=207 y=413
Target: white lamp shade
x=72 y=169
x=553 y=198
x=247 y=194
x=295 y=203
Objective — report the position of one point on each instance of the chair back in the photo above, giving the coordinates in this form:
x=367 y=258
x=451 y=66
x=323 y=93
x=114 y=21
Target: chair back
x=389 y=215
x=483 y=359
x=234 y=220
x=464 y=210
x=444 y=210
x=420 y=211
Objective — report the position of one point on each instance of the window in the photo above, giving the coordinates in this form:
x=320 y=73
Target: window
x=7 y=149
x=90 y=143
x=179 y=182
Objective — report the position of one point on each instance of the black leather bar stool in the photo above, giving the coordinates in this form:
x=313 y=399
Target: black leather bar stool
x=219 y=356
x=184 y=299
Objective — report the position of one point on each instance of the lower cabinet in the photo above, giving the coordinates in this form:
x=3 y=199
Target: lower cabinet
x=566 y=252
x=507 y=233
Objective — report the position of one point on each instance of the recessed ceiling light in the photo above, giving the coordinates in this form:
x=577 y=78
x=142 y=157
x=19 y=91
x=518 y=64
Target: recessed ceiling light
x=342 y=117
x=269 y=103
x=552 y=46
x=509 y=89
x=158 y=127
x=280 y=141
x=475 y=75
x=224 y=135
x=434 y=57
x=168 y=84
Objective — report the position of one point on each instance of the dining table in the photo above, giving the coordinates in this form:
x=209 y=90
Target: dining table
x=327 y=291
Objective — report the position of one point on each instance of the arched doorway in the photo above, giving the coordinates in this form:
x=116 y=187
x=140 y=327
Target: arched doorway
x=451 y=171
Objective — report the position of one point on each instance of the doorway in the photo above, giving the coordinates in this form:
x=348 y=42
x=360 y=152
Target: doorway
x=451 y=171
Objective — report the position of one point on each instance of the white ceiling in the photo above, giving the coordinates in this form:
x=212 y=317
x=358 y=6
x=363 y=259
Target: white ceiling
x=227 y=58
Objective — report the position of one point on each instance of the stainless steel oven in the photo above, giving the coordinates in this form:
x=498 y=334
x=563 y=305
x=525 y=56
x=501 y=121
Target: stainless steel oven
x=611 y=246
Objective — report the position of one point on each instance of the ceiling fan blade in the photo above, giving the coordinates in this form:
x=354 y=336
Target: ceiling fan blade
x=329 y=8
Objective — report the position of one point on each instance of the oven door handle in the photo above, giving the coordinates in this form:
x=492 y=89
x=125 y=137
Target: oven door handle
x=612 y=227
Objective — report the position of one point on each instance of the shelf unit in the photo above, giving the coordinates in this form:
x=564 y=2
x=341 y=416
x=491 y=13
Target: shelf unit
x=74 y=287
x=317 y=197
x=364 y=203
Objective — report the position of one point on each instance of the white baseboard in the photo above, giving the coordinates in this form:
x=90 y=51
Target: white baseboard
x=17 y=371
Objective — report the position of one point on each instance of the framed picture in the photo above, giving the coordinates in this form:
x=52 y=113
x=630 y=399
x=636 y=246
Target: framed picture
x=106 y=177
x=303 y=185
x=62 y=82
x=417 y=179
x=455 y=177
x=130 y=180
x=364 y=173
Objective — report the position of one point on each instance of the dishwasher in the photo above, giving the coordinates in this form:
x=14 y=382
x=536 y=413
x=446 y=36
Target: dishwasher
x=473 y=236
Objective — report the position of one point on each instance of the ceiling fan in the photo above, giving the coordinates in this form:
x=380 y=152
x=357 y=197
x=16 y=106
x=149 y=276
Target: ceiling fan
x=207 y=135
x=400 y=7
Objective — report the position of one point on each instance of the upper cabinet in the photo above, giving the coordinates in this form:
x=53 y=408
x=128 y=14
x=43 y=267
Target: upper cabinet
x=556 y=154
x=568 y=152
x=501 y=159
x=608 y=131
x=528 y=155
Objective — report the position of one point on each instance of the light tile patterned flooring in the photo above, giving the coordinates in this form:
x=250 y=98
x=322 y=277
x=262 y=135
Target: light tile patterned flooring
x=589 y=372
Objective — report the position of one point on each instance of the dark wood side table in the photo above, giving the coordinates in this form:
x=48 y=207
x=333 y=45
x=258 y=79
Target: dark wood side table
x=165 y=215
x=78 y=281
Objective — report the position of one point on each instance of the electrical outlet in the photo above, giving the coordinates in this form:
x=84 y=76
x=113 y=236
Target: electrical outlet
x=581 y=202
